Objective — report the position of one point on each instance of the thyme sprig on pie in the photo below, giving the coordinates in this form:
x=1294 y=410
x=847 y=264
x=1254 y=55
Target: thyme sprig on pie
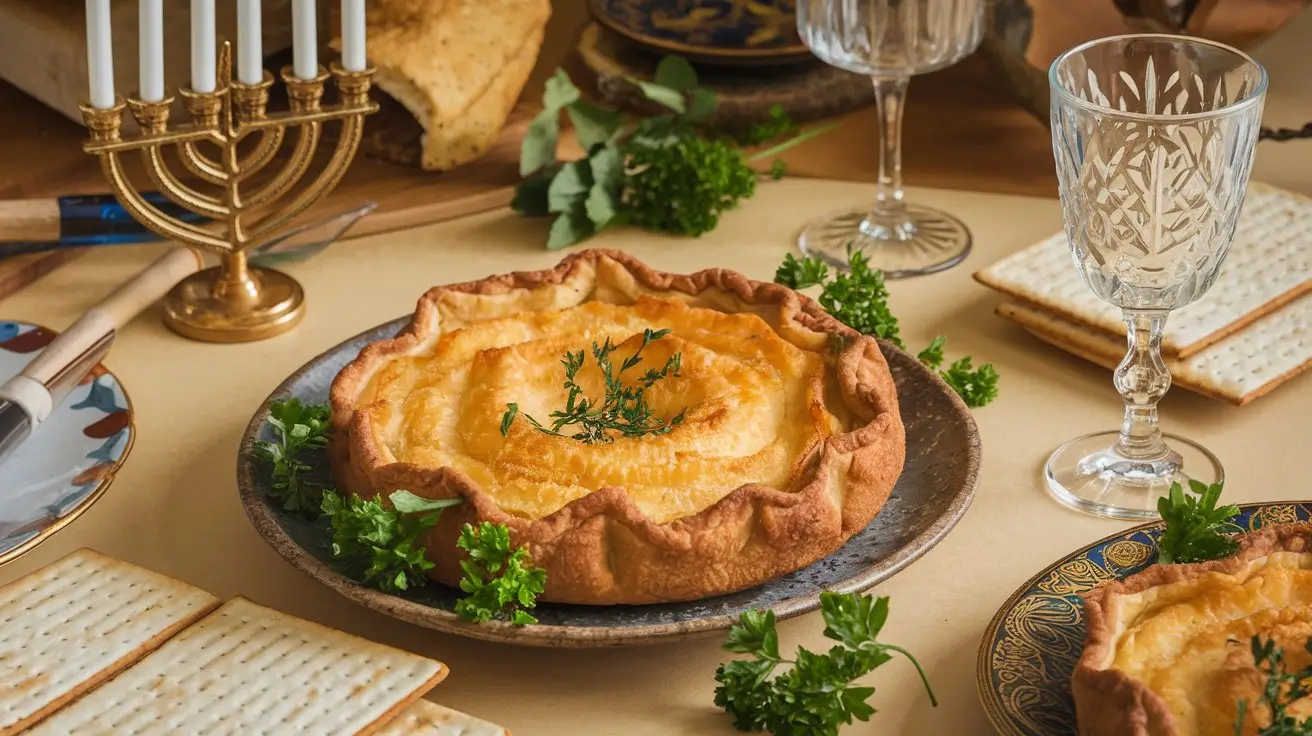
x=1280 y=691
x=623 y=412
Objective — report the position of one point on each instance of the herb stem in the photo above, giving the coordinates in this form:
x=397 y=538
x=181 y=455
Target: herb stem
x=796 y=140
x=919 y=670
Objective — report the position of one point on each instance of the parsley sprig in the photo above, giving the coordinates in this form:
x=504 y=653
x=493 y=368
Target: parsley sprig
x=1281 y=690
x=817 y=695
x=666 y=172
x=1196 y=529
x=300 y=430
x=499 y=581
x=382 y=546
x=623 y=412
x=859 y=299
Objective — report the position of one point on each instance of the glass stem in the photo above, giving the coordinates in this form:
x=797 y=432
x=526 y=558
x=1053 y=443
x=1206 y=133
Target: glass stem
x=890 y=95
x=1142 y=379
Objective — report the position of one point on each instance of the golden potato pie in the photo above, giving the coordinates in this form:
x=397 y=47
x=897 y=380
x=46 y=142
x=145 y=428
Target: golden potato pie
x=771 y=436
x=1168 y=651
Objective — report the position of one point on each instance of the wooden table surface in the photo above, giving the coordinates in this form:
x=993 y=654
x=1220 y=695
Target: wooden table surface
x=174 y=507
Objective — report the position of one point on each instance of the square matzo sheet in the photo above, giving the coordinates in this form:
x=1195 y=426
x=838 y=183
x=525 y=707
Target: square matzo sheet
x=1269 y=266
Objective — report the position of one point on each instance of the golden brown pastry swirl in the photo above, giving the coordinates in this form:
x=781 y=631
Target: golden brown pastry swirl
x=790 y=440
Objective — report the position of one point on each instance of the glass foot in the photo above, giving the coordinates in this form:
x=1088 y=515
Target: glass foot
x=1087 y=475
x=920 y=241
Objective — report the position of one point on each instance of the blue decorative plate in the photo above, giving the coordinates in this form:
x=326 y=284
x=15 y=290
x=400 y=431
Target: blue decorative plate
x=69 y=460
x=716 y=31
x=937 y=484
x=1030 y=648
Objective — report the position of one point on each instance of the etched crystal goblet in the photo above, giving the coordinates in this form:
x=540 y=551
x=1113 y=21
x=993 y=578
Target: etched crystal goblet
x=1153 y=137
x=889 y=41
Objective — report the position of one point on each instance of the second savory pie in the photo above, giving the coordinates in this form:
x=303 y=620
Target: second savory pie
x=781 y=430
x=1169 y=651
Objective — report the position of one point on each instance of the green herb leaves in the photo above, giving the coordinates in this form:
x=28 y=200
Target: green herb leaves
x=624 y=412
x=664 y=173
x=384 y=546
x=380 y=546
x=538 y=150
x=977 y=387
x=1195 y=527
x=683 y=184
x=300 y=430
x=1281 y=690
x=498 y=580
x=816 y=696
x=801 y=273
x=859 y=299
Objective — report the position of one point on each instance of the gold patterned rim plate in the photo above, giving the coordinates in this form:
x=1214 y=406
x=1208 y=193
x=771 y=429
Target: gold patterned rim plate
x=1030 y=648
x=106 y=470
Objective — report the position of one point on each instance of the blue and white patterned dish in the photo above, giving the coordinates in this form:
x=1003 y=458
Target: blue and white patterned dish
x=69 y=460
x=1030 y=648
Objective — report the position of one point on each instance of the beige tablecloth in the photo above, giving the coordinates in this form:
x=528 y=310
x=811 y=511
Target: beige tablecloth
x=174 y=506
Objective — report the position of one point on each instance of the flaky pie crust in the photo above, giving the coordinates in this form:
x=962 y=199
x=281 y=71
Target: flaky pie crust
x=601 y=548
x=1110 y=702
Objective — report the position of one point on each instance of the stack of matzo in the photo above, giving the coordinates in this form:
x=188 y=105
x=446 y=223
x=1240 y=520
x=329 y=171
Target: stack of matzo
x=1251 y=332
x=458 y=66
x=92 y=645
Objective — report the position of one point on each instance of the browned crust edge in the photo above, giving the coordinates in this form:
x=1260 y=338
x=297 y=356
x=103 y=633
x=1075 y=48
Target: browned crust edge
x=1109 y=702
x=601 y=549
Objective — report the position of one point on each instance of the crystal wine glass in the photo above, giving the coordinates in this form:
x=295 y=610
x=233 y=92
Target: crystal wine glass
x=889 y=41
x=1153 y=137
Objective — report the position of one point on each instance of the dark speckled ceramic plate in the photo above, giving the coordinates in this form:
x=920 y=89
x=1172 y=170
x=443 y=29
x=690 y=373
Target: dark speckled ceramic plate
x=936 y=487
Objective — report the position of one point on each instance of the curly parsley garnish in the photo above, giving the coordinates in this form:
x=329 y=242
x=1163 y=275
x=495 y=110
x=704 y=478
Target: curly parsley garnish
x=300 y=429
x=859 y=299
x=623 y=412
x=1281 y=690
x=801 y=273
x=381 y=546
x=499 y=581
x=816 y=695
x=668 y=173
x=1195 y=528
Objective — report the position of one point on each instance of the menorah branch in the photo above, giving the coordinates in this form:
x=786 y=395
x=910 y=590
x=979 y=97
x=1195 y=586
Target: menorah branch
x=347 y=142
x=201 y=166
x=298 y=162
x=180 y=194
x=270 y=142
x=149 y=215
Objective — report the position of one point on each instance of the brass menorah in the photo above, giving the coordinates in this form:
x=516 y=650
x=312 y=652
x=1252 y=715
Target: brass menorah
x=233 y=302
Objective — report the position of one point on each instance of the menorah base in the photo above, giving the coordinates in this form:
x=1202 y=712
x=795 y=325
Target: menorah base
x=199 y=308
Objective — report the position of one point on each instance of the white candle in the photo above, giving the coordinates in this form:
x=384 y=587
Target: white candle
x=305 y=40
x=100 y=54
x=150 y=55
x=353 y=54
x=250 y=53
x=202 y=45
